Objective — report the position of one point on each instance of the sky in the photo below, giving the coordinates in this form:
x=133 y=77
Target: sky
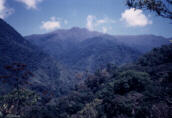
x=107 y=16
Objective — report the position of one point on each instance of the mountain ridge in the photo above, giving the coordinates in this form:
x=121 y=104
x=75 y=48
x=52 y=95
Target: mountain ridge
x=70 y=46
x=79 y=34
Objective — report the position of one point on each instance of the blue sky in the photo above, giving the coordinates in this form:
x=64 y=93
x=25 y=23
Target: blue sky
x=108 y=16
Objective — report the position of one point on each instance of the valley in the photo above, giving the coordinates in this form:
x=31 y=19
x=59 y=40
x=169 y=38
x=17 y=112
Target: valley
x=78 y=73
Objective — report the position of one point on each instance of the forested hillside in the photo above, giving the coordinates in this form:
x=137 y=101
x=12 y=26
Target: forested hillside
x=137 y=90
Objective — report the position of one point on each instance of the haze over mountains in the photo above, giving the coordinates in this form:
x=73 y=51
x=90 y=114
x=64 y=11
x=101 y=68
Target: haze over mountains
x=58 y=56
x=82 y=49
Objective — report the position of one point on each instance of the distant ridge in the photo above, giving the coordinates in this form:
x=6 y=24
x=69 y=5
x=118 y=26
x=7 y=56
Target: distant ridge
x=143 y=43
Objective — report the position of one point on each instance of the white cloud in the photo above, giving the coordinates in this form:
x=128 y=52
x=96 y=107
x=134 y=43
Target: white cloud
x=4 y=11
x=93 y=23
x=101 y=21
x=90 y=22
x=104 y=29
x=105 y=20
x=31 y=4
x=50 y=25
x=135 y=18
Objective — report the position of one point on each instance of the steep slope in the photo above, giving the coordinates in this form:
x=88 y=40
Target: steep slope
x=15 y=49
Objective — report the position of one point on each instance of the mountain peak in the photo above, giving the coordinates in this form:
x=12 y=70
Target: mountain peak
x=77 y=28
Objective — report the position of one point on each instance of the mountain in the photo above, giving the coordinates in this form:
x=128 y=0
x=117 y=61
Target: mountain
x=97 y=52
x=15 y=49
x=61 y=41
x=86 y=50
x=143 y=43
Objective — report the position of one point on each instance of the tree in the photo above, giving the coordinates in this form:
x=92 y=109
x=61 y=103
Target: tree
x=162 y=8
x=9 y=103
x=18 y=78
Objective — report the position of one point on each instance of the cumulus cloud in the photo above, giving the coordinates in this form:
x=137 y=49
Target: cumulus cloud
x=31 y=4
x=135 y=18
x=4 y=11
x=50 y=25
x=93 y=23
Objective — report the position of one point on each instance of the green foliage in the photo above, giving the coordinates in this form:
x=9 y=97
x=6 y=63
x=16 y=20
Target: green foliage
x=89 y=111
x=141 y=90
x=157 y=56
x=131 y=81
x=11 y=102
x=94 y=82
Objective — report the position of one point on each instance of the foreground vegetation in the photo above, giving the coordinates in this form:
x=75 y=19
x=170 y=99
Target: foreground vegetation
x=139 y=90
